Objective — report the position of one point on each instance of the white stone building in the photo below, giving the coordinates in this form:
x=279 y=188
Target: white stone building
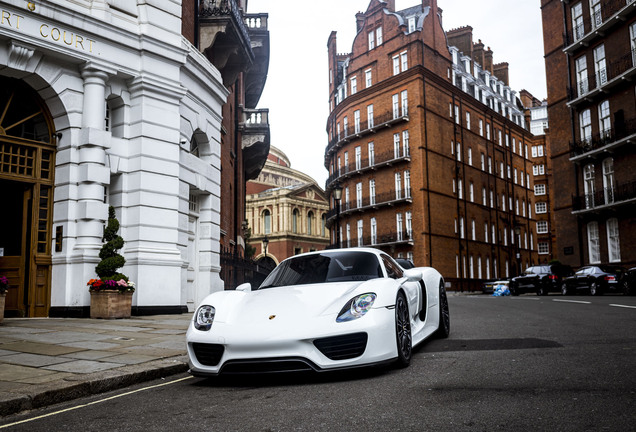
x=128 y=112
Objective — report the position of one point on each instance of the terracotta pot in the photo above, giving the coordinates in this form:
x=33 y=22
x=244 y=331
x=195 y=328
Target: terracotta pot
x=111 y=304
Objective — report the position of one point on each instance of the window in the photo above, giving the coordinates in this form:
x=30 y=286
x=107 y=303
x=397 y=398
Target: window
x=396 y=145
x=457 y=114
x=267 y=222
x=544 y=248
x=405 y=143
x=458 y=151
x=599 y=65
x=371 y=154
x=539 y=189
x=488 y=131
x=370 y=121
x=604 y=122
x=581 y=75
x=608 y=180
x=483 y=162
x=470 y=156
x=613 y=240
x=295 y=216
x=461 y=227
x=396 y=65
x=486 y=232
x=541 y=207
x=588 y=185
x=378 y=36
x=367 y=78
x=310 y=223
x=411 y=24
x=371 y=37
x=396 y=105
x=358 y=158
x=460 y=189
x=345 y=123
x=471 y=195
x=493 y=234
x=489 y=165
x=481 y=127
x=372 y=192
x=467 y=120
x=358 y=195
x=404 y=61
x=593 y=244
x=409 y=225
x=542 y=227
x=483 y=196
x=595 y=13
x=473 y=230
x=374 y=231
x=398 y=186
x=348 y=235
x=407 y=184
x=354 y=85
x=398 y=226
x=360 y=233
x=356 y=121
x=405 y=103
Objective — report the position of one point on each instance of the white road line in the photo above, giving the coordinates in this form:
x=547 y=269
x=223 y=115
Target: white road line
x=94 y=402
x=572 y=301
x=623 y=306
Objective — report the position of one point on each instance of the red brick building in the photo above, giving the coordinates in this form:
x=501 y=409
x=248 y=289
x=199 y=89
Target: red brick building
x=430 y=148
x=589 y=54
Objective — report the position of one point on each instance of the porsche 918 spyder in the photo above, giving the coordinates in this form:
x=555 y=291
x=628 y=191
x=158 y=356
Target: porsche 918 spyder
x=320 y=311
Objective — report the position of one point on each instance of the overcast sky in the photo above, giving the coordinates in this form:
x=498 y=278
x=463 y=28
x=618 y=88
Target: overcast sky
x=297 y=91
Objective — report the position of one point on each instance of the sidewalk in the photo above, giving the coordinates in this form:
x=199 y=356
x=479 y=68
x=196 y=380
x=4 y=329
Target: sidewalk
x=49 y=360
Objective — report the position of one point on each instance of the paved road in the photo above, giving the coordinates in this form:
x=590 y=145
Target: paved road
x=513 y=364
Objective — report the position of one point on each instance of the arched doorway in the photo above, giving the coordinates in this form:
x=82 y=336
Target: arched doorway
x=27 y=165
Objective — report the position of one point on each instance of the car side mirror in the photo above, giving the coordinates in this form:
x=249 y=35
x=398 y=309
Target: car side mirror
x=413 y=275
x=246 y=287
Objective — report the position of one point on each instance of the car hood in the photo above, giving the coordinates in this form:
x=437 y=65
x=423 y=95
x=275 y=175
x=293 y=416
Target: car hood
x=291 y=303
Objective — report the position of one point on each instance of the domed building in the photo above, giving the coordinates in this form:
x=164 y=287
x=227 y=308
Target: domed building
x=286 y=211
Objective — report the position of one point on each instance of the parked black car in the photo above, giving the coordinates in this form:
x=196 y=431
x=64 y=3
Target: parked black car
x=595 y=279
x=405 y=263
x=628 y=282
x=540 y=279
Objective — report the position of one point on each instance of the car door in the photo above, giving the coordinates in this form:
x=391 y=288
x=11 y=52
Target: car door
x=412 y=289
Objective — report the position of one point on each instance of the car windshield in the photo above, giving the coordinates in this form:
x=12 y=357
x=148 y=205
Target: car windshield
x=324 y=267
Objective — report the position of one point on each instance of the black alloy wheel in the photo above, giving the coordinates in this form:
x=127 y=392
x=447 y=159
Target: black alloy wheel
x=564 y=289
x=403 y=331
x=595 y=289
x=444 y=314
x=543 y=289
x=626 y=288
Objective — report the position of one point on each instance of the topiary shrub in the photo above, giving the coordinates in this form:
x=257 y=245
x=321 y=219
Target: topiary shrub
x=111 y=260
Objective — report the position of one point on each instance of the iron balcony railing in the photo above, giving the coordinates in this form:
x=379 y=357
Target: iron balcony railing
x=218 y=8
x=371 y=202
x=605 y=138
x=596 y=82
x=589 y=29
x=607 y=197
x=383 y=159
x=365 y=127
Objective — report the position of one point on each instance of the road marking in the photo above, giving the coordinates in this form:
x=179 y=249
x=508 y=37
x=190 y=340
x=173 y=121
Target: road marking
x=95 y=402
x=623 y=306
x=572 y=301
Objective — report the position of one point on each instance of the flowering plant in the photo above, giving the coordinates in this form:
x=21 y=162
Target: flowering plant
x=121 y=285
x=4 y=284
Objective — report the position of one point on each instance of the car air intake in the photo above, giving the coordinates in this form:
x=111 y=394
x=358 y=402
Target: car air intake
x=342 y=347
x=208 y=354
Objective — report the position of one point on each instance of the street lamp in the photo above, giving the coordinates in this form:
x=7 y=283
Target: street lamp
x=517 y=230
x=337 y=196
x=265 y=243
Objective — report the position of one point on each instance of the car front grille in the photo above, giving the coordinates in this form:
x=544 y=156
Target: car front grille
x=208 y=354
x=265 y=366
x=342 y=347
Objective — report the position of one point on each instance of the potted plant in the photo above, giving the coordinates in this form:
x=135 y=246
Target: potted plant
x=4 y=286
x=111 y=292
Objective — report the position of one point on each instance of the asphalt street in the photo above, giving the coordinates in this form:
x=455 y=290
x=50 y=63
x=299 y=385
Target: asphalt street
x=512 y=363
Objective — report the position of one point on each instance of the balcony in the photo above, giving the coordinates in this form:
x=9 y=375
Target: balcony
x=617 y=72
x=613 y=12
x=254 y=129
x=386 y=199
x=256 y=75
x=606 y=199
x=349 y=133
x=599 y=145
x=224 y=38
x=392 y=238
x=388 y=158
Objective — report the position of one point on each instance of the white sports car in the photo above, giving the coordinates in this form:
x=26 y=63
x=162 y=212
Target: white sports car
x=320 y=311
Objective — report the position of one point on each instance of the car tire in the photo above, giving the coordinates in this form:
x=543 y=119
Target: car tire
x=626 y=288
x=513 y=289
x=443 y=329
x=595 y=290
x=564 y=289
x=403 y=335
x=542 y=290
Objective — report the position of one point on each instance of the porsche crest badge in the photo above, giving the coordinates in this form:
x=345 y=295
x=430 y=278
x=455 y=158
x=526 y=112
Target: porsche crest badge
x=271 y=317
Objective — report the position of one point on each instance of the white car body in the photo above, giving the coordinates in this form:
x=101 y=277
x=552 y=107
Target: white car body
x=279 y=329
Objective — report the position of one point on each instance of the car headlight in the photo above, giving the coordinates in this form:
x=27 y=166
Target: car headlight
x=204 y=317
x=356 y=307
